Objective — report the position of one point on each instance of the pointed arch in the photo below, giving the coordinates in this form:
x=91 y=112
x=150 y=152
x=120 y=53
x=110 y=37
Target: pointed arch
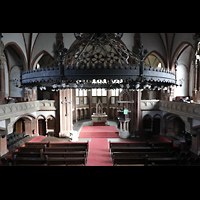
x=179 y=50
x=38 y=57
x=19 y=53
x=157 y=58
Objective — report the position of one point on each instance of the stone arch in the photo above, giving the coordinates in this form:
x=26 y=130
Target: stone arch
x=157 y=124
x=173 y=124
x=124 y=95
x=23 y=124
x=147 y=122
x=41 y=125
x=179 y=50
x=51 y=123
x=156 y=59
x=39 y=56
x=16 y=49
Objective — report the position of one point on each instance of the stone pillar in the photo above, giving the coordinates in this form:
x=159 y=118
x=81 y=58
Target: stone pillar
x=65 y=112
x=139 y=113
x=3 y=139
x=127 y=128
x=3 y=145
x=195 y=148
x=2 y=73
x=195 y=144
x=120 y=125
x=2 y=80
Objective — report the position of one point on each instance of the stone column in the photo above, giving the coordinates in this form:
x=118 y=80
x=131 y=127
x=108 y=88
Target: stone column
x=2 y=80
x=65 y=112
x=120 y=125
x=3 y=145
x=127 y=128
x=3 y=139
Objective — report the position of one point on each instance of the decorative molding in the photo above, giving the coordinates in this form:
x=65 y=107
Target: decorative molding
x=150 y=105
x=15 y=109
x=191 y=110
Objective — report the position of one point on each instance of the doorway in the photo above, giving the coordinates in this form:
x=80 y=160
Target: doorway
x=42 y=126
x=19 y=126
x=156 y=126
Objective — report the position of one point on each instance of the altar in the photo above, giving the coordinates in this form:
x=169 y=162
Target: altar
x=99 y=118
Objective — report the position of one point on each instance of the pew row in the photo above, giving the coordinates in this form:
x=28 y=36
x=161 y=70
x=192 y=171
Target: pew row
x=144 y=154
x=51 y=154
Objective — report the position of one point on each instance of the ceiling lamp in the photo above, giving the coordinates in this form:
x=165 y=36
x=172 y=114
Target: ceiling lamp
x=99 y=60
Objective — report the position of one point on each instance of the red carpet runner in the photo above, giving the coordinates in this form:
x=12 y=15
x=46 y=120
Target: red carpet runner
x=38 y=138
x=99 y=154
x=99 y=132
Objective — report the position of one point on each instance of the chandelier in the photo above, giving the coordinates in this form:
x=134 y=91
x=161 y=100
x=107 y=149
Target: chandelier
x=99 y=60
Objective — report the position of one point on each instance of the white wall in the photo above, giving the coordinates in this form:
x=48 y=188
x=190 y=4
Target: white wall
x=181 y=74
x=15 y=91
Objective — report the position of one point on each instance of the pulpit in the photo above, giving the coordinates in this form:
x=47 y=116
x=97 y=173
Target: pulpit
x=124 y=118
x=99 y=118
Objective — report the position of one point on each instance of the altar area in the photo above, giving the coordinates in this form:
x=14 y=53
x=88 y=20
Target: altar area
x=99 y=118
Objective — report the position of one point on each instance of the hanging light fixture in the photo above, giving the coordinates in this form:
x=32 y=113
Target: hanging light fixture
x=99 y=60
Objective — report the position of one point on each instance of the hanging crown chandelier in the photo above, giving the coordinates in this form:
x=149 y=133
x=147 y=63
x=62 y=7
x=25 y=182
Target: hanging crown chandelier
x=99 y=60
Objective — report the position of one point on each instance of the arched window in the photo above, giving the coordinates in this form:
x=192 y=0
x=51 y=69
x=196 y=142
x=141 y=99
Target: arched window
x=154 y=61
x=44 y=61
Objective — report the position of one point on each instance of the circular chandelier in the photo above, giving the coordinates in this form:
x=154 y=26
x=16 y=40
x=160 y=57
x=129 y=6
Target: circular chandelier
x=99 y=60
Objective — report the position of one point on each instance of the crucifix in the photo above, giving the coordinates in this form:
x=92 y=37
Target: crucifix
x=62 y=102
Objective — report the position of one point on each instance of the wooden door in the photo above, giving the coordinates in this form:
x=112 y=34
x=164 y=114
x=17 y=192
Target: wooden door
x=42 y=127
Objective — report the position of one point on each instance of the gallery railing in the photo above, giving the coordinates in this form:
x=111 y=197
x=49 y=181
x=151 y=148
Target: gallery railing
x=17 y=109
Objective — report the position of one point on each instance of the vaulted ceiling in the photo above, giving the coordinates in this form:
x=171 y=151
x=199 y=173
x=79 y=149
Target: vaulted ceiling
x=168 y=46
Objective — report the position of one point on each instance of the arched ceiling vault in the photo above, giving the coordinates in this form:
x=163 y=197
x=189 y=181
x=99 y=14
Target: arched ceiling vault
x=170 y=45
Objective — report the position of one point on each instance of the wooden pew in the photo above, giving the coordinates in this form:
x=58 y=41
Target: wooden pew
x=29 y=149
x=140 y=154
x=129 y=162
x=44 y=153
x=146 y=161
x=70 y=144
x=167 y=161
x=141 y=144
x=70 y=161
x=36 y=144
x=128 y=157
x=140 y=149
x=64 y=149
x=34 y=154
x=65 y=154
x=27 y=161
x=161 y=144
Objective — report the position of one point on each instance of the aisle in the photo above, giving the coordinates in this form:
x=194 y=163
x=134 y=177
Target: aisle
x=99 y=154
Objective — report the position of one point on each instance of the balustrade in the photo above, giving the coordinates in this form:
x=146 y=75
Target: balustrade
x=15 y=109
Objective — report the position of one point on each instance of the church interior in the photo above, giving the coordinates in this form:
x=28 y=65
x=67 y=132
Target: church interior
x=99 y=99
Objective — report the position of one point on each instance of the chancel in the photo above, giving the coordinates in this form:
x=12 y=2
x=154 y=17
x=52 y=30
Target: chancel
x=99 y=118
x=100 y=99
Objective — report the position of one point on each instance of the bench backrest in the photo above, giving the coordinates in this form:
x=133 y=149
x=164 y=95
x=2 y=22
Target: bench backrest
x=65 y=149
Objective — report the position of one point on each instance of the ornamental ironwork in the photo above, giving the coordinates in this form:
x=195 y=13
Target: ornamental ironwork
x=99 y=60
